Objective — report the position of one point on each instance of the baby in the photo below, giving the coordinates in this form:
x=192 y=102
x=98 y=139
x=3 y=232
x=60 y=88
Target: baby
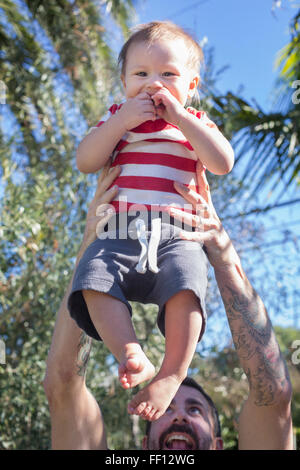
x=156 y=140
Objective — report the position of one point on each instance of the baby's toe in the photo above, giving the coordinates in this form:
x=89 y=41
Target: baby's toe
x=156 y=415
x=146 y=411
x=150 y=415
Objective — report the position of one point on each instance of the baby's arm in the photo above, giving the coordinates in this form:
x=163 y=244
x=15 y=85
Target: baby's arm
x=95 y=149
x=209 y=144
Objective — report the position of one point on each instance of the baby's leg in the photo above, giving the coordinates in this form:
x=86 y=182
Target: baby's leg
x=112 y=321
x=183 y=323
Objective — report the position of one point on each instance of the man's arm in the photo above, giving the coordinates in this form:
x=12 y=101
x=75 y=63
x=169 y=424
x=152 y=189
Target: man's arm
x=76 y=419
x=265 y=421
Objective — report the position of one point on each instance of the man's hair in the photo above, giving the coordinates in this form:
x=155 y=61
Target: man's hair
x=189 y=382
x=156 y=30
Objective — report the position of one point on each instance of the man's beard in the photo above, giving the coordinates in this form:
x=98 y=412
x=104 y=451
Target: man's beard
x=195 y=442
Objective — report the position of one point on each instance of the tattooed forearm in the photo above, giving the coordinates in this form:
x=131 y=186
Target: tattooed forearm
x=249 y=307
x=255 y=343
x=84 y=349
x=267 y=379
x=248 y=319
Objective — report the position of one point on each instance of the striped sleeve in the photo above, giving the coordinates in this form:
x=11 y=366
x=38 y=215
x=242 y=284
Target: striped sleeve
x=112 y=110
x=203 y=116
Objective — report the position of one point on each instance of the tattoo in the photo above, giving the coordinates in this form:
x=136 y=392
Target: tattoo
x=84 y=349
x=256 y=328
x=267 y=379
x=256 y=345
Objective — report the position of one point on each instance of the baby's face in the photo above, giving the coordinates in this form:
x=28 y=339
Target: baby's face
x=164 y=64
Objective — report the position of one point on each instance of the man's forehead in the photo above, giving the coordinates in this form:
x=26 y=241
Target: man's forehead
x=190 y=395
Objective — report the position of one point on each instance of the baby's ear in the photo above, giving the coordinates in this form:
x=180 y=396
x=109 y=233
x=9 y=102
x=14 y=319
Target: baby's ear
x=193 y=86
x=123 y=81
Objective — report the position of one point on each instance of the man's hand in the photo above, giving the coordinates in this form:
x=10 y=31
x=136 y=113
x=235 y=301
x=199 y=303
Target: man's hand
x=137 y=110
x=98 y=212
x=209 y=229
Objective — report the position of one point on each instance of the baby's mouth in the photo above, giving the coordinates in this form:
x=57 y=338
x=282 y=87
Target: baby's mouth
x=160 y=106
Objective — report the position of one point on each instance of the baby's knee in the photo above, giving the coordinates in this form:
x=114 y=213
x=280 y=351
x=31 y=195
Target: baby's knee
x=185 y=298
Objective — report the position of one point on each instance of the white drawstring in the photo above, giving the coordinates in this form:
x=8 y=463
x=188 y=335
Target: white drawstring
x=148 y=251
x=141 y=234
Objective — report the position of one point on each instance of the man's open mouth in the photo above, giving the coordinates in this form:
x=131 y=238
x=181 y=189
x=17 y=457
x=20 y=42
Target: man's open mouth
x=179 y=441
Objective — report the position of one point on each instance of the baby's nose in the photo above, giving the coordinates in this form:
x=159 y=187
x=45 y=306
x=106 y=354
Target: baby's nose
x=154 y=83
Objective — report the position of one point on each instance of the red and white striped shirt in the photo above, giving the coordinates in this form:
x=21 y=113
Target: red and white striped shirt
x=153 y=156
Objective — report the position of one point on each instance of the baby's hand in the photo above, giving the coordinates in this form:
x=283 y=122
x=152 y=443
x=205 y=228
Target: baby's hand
x=137 y=110
x=168 y=107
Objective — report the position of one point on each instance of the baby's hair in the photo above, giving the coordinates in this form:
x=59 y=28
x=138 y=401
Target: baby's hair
x=156 y=30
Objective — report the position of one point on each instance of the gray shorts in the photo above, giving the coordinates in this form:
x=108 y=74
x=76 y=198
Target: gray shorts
x=108 y=266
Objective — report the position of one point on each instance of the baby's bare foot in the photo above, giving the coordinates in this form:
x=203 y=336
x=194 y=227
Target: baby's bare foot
x=152 y=402
x=135 y=369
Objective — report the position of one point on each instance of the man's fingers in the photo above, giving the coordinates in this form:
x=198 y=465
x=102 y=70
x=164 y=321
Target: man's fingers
x=202 y=182
x=188 y=194
x=198 y=202
x=185 y=217
x=104 y=195
x=104 y=172
x=106 y=182
x=192 y=236
x=102 y=221
x=200 y=237
x=200 y=220
x=108 y=196
x=106 y=168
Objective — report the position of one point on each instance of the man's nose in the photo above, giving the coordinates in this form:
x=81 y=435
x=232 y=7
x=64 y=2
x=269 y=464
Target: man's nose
x=180 y=416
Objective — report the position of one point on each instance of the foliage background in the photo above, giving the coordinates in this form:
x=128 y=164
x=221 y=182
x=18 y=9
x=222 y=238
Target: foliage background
x=59 y=73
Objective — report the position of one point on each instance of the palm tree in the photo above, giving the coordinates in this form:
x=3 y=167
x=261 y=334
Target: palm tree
x=55 y=57
x=57 y=72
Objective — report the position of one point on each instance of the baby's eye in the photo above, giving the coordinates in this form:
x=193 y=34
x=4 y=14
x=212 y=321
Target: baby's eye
x=168 y=74
x=141 y=74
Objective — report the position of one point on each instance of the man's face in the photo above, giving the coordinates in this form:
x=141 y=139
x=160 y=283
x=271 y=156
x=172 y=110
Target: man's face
x=186 y=425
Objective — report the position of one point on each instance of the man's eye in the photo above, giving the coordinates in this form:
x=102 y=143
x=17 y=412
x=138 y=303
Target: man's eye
x=195 y=410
